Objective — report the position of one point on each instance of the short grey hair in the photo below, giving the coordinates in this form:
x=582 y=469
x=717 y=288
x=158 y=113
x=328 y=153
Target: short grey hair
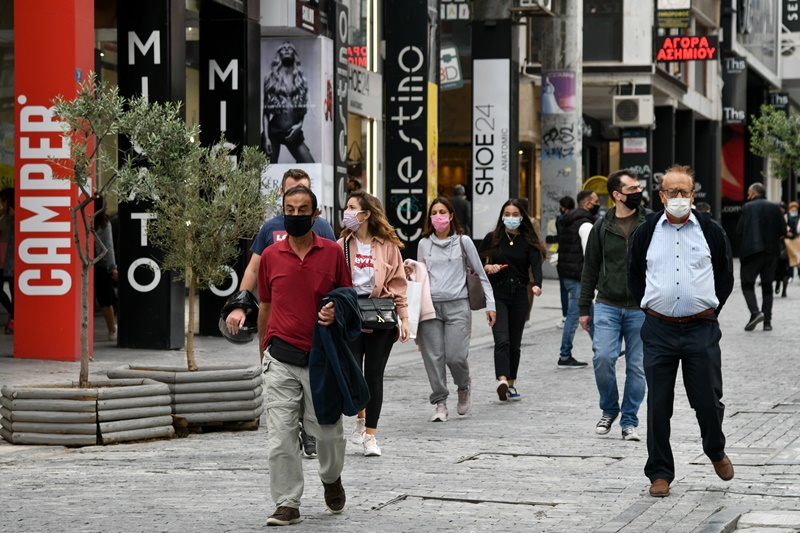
x=459 y=190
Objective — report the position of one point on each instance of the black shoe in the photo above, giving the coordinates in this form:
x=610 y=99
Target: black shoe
x=767 y=325
x=570 y=363
x=308 y=444
x=755 y=320
x=778 y=287
x=334 y=496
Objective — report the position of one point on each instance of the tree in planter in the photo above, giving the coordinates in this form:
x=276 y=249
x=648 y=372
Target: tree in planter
x=203 y=199
x=775 y=134
x=93 y=116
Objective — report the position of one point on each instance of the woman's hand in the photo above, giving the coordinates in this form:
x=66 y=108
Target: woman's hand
x=405 y=331
x=491 y=316
x=537 y=291
x=493 y=269
x=408 y=271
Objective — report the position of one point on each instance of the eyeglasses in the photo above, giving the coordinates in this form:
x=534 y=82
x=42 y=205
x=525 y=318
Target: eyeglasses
x=673 y=193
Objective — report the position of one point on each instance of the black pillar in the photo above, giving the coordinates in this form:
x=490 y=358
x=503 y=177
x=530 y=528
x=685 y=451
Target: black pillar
x=663 y=148
x=708 y=164
x=152 y=62
x=230 y=101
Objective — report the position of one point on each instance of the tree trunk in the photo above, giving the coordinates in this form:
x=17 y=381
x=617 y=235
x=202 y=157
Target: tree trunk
x=190 y=328
x=83 y=379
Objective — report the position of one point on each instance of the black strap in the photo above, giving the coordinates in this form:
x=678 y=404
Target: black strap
x=347 y=251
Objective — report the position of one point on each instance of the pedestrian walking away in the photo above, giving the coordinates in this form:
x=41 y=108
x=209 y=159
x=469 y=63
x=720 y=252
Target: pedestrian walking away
x=270 y=233
x=682 y=287
x=7 y=251
x=293 y=277
x=576 y=226
x=444 y=340
x=761 y=230
x=462 y=208
x=509 y=252
x=565 y=205
x=616 y=314
x=377 y=270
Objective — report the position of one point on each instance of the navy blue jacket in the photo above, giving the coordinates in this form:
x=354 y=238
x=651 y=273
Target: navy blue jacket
x=337 y=383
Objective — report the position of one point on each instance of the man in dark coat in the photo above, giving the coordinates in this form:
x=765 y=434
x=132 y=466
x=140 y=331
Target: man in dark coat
x=462 y=208
x=761 y=230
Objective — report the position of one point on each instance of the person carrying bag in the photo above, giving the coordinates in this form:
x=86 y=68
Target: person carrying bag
x=372 y=251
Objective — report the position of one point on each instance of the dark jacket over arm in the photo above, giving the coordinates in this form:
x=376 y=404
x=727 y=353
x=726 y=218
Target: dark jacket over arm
x=718 y=243
x=337 y=383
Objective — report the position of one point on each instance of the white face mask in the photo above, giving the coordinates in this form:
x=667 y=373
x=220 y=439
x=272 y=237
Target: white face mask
x=678 y=207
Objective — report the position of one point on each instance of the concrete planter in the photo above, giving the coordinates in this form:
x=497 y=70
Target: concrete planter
x=211 y=396
x=106 y=412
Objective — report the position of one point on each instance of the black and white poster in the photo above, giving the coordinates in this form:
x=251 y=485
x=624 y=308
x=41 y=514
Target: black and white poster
x=297 y=111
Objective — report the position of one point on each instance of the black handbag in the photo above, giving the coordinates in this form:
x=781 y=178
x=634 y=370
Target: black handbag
x=375 y=313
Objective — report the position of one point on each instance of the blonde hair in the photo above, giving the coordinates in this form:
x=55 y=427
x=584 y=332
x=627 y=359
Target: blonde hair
x=677 y=169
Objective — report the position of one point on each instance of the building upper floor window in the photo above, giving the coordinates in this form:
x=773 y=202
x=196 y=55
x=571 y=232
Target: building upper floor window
x=604 y=41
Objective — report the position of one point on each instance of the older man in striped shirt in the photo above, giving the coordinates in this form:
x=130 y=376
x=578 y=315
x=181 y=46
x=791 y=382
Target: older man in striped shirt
x=680 y=268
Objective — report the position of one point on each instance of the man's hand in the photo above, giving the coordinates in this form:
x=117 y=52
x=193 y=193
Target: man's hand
x=235 y=320
x=585 y=322
x=326 y=314
x=537 y=291
x=491 y=317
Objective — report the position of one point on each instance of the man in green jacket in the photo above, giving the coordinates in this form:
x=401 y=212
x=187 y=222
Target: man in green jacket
x=616 y=314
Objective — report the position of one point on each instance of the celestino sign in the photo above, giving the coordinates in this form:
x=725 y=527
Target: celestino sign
x=687 y=48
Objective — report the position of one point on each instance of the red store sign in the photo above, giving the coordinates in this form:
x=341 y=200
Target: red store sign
x=687 y=48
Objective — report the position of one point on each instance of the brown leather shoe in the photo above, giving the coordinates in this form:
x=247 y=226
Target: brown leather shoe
x=724 y=468
x=659 y=488
x=334 y=496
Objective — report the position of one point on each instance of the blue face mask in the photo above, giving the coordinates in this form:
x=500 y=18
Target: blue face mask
x=512 y=223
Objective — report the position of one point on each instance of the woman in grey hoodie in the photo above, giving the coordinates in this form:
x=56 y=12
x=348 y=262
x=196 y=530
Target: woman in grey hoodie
x=444 y=340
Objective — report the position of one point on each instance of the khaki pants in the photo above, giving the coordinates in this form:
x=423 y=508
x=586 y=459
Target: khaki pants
x=288 y=394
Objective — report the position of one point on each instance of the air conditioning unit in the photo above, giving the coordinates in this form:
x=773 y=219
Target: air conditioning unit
x=544 y=4
x=633 y=110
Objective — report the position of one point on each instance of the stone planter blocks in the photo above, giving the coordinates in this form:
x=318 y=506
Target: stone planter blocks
x=212 y=395
x=109 y=411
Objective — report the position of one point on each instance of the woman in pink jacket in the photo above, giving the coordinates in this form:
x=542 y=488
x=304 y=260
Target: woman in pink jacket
x=377 y=269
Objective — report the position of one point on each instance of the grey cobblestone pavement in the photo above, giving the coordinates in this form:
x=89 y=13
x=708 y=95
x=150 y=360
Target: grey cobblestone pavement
x=536 y=465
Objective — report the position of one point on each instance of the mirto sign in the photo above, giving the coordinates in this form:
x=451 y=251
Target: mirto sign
x=687 y=48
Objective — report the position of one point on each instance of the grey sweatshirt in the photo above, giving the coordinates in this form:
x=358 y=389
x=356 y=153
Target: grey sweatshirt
x=445 y=266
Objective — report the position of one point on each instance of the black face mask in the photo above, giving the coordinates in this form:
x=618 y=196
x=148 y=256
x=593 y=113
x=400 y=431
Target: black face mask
x=594 y=209
x=633 y=200
x=298 y=225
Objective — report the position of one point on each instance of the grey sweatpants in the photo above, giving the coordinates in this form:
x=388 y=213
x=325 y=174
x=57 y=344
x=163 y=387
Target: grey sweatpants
x=288 y=393
x=444 y=342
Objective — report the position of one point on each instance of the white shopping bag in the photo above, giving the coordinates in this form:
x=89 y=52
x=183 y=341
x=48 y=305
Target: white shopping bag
x=414 y=299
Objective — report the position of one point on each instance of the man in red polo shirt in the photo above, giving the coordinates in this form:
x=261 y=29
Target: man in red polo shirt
x=293 y=277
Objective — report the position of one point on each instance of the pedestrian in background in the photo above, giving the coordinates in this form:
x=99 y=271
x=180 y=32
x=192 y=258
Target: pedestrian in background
x=577 y=224
x=565 y=205
x=105 y=270
x=761 y=230
x=271 y=232
x=791 y=231
x=616 y=314
x=462 y=208
x=377 y=271
x=680 y=267
x=7 y=254
x=510 y=252
x=444 y=340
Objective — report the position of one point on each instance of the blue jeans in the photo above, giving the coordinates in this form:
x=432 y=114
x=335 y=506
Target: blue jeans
x=573 y=287
x=611 y=325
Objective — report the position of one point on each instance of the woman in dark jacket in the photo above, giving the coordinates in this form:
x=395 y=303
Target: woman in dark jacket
x=509 y=252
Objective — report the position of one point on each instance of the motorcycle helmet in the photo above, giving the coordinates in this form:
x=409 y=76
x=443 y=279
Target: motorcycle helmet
x=246 y=301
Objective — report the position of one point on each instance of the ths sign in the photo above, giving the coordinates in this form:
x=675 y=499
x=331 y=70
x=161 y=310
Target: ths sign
x=687 y=48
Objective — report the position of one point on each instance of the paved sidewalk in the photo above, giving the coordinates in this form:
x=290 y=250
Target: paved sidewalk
x=536 y=465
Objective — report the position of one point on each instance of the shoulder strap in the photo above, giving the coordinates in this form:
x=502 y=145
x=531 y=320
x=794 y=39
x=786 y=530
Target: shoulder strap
x=463 y=252
x=347 y=250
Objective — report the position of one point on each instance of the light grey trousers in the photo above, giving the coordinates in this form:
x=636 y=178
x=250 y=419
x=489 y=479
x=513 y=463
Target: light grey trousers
x=444 y=342
x=288 y=393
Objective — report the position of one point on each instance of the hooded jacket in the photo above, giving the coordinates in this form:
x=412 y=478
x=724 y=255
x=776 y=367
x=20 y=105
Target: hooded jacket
x=337 y=383
x=445 y=263
x=570 y=249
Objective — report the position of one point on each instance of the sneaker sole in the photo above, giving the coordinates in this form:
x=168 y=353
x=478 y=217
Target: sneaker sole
x=334 y=512
x=635 y=439
x=571 y=367
x=372 y=454
x=602 y=431
x=276 y=522
x=437 y=419
x=502 y=392
x=310 y=455
x=510 y=399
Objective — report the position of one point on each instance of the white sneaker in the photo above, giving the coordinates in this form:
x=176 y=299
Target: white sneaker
x=371 y=448
x=528 y=323
x=630 y=434
x=441 y=413
x=359 y=430
x=560 y=323
x=112 y=337
x=464 y=401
